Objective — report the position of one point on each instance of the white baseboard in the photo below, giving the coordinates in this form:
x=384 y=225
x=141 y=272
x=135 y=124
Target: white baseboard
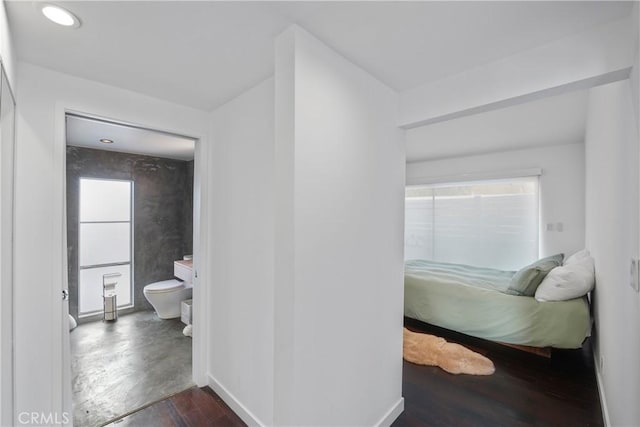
x=392 y=414
x=234 y=403
x=251 y=420
x=603 y=400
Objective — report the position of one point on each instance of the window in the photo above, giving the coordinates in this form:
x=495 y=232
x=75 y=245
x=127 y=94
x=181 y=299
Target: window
x=105 y=244
x=483 y=223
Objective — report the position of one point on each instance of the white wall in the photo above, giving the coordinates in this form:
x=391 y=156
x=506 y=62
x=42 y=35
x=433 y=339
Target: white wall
x=240 y=305
x=561 y=186
x=635 y=71
x=342 y=194
x=7 y=54
x=7 y=150
x=40 y=254
x=612 y=194
x=6 y=229
x=634 y=81
x=304 y=229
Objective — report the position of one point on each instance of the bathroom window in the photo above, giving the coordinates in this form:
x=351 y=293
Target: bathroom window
x=105 y=242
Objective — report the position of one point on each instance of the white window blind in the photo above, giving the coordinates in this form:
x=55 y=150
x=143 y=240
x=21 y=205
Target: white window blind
x=491 y=223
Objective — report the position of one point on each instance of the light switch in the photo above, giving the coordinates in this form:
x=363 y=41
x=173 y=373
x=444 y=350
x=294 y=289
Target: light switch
x=560 y=227
x=549 y=226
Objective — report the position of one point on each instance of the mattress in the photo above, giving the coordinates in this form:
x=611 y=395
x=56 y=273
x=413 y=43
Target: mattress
x=470 y=300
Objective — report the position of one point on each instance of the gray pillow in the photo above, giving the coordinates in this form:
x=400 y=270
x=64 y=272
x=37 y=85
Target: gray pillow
x=526 y=281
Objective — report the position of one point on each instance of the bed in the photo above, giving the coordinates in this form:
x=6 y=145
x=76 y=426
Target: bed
x=473 y=301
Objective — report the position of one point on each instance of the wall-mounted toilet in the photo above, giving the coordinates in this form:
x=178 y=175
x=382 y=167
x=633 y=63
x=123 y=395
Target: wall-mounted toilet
x=166 y=296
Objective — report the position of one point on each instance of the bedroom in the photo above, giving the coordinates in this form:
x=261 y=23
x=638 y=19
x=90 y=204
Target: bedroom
x=498 y=190
x=265 y=330
x=504 y=191
x=579 y=152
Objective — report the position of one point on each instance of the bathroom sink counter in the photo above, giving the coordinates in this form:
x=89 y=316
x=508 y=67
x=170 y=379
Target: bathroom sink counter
x=186 y=263
x=183 y=270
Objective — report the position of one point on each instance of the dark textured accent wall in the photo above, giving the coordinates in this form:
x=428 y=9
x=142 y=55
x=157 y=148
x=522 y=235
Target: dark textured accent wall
x=162 y=213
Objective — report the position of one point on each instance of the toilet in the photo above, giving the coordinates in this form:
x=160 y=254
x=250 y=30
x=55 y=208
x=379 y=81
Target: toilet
x=166 y=296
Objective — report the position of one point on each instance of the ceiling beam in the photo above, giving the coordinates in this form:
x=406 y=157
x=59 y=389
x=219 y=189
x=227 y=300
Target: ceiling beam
x=597 y=56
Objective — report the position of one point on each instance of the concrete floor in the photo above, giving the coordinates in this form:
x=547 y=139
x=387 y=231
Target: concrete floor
x=118 y=367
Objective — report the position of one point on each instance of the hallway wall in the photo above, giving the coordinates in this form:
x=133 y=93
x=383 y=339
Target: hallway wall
x=612 y=150
x=240 y=305
x=7 y=168
x=339 y=194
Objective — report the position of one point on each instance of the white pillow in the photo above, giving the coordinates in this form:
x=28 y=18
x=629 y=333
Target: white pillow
x=569 y=281
x=576 y=257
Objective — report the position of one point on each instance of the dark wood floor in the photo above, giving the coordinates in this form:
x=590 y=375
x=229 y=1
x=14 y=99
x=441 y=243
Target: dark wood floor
x=525 y=390
x=194 y=407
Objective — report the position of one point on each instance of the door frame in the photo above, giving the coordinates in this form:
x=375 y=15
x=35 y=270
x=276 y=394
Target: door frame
x=61 y=357
x=7 y=392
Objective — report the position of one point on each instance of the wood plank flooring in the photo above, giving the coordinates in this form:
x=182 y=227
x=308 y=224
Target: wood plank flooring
x=526 y=390
x=194 y=407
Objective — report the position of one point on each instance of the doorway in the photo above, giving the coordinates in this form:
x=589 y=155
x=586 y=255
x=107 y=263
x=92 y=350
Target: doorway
x=129 y=223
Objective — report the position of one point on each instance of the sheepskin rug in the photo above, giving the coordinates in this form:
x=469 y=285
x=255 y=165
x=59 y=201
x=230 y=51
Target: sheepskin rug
x=423 y=349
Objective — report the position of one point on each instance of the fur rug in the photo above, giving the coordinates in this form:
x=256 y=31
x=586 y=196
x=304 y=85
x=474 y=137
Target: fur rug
x=423 y=349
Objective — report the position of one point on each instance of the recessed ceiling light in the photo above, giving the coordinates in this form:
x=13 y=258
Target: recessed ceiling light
x=60 y=16
x=106 y=141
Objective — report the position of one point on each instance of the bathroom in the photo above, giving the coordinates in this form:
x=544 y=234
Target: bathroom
x=129 y=233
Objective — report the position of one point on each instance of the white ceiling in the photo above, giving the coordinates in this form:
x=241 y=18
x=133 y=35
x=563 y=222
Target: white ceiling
x=85 y=132
x=204 y=53
x=550 y=121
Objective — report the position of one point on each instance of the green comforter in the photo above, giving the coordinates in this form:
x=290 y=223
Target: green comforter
x=478 y=277
x=471 y=300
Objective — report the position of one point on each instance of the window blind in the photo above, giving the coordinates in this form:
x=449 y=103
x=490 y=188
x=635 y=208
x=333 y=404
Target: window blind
x=491 y=223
